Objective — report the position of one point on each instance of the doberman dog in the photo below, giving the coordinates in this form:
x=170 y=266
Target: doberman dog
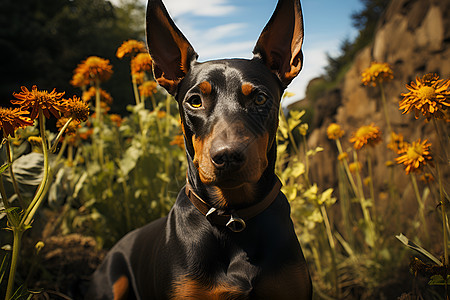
x=229 y=235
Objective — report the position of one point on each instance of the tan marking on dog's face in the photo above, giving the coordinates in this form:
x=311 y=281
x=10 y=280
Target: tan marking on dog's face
x=205 y=87
x=202 y=160
x=247 y=88
x=121 y=288
x=254 y=153
x=188 y=288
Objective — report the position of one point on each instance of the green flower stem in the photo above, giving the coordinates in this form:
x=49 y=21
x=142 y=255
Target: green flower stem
x=43 y=187
x=17 y=232
x=291 y=137
x=443 y=141
x=3 y=193
x=347 y=169
x=305 y=149
x=332 y=244
x=11 y=173
x=135 y=89
x=61 y=150
x=444 y=215
x=126 y=193
x=383 y=98
x=419 y=201
x=61 y=132
x=363 y=201
x=372 y=193
x=99 y=122
x=168 y=101
x=156 y=109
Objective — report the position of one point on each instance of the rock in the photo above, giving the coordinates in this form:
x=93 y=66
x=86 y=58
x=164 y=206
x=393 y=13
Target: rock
x=414 y=38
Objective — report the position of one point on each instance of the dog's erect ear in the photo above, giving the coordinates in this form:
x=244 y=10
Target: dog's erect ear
x=170 y=50
x=280 y=43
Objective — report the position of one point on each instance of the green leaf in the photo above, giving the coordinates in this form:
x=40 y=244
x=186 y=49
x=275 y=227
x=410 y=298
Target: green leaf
x=4 y=167
x=417 y=248
x=438 y=280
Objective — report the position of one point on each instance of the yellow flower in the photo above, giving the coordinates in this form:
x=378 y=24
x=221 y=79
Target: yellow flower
x=35 y=141
x=366 y=135
x=48 y=102
x=428 y=95
x=377 y=72
x=334 y=131
x=90 y=93
x=148 y=88
x=354 y=167
x=343 y=156
x=140 y=63
x=396 y=143
x=11 y=119
x=415 y=156
x=130 y=47
x=92 y=69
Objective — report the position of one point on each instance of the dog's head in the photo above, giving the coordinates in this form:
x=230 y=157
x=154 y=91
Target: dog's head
x=229 y=108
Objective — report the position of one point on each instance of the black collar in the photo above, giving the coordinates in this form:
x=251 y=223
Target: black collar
x=235 y=219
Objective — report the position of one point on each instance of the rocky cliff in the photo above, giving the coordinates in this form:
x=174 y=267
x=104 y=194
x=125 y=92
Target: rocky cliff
x=414 y=38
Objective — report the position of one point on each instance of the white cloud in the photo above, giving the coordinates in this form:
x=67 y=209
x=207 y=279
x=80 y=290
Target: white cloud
x=212 y=8
x=224 y=31
x=228 y=50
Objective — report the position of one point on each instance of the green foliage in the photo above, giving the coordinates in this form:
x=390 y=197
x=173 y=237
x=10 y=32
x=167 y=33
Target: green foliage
x=138 y=181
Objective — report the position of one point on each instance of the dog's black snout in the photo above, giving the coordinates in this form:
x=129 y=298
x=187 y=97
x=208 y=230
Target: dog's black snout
x=225 y=157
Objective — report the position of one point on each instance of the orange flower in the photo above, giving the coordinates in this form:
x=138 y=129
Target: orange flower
x=334 y=131
x=416 y=156
x=429 y=96
x=11 y=119
x=86 y=134
x=79 y=79
x=366 y=135
x=131 y=48
x=115 y=118
x=71 y=128
x=178 y=140
x=90 y=93
x=77 y=109
x=141 y=63
x=47 y=102
x=161 y=114
x=92 y=69
x=427 y=178
x=138 y=78
x=396 y=143
x=377 y=72
x=148 y=88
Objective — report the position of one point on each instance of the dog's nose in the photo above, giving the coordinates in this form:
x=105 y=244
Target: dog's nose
x=225 y=157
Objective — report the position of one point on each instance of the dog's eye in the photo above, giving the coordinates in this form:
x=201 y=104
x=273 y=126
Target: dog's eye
x=195 y=101
x=261 y=99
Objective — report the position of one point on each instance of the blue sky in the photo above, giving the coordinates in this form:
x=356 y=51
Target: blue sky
x=230 y=28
